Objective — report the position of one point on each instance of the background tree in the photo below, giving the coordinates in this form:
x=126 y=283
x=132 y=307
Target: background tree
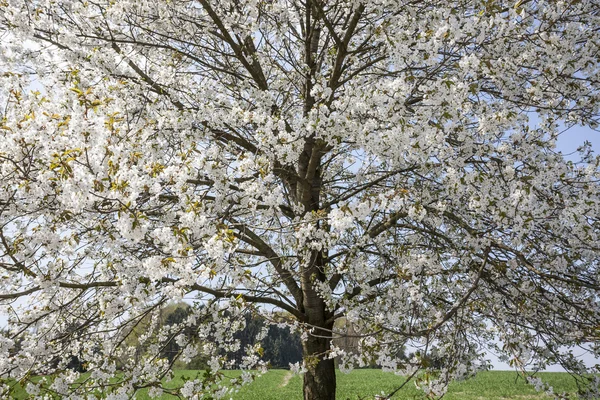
x=392 y=162
x=167 y=322
x=279 y=346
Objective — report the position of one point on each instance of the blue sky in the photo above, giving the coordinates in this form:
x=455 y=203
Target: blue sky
x=574 y=137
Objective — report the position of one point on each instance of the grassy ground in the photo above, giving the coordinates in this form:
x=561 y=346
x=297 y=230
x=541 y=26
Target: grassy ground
x=365 y=384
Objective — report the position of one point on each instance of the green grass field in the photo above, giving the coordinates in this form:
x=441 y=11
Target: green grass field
x=365 y=384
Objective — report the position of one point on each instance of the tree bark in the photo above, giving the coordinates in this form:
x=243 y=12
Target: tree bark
x=319 y=379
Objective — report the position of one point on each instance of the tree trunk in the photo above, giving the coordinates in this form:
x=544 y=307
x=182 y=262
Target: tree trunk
x=319 y=379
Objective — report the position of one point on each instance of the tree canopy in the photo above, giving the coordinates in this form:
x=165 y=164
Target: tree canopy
x=393 y=163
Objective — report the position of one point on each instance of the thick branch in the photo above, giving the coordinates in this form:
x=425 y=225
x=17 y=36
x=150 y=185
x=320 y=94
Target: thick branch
x=387 y=224
x=254 y=69
x=256 y=241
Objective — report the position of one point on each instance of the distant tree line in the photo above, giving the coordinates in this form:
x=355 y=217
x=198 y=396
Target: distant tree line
x=280 y=347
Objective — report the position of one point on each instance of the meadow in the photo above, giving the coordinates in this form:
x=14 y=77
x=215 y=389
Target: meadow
x=365 y=384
